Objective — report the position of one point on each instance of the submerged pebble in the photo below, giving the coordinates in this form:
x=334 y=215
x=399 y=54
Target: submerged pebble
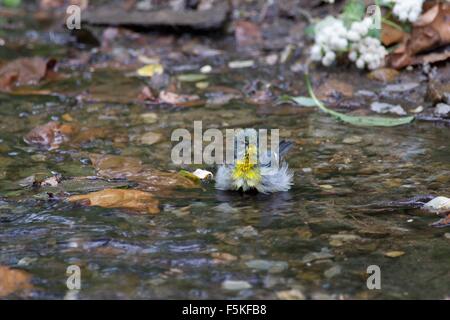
x=235 y=285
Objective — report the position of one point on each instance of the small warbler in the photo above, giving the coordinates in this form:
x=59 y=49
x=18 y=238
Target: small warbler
x=250 y=172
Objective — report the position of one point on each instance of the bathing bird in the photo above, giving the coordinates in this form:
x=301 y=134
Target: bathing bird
x=265 y=172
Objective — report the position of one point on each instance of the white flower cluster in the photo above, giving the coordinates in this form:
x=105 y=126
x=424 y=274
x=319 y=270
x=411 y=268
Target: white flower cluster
x=368 y=52
x=406 y=10
x=332 y=37
x=359 y=29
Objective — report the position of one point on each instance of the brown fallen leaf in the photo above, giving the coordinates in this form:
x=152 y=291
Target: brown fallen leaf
x=431 y=31
x=13 y=281
x=48 y=135
x=391 y=35
x=116 y=167
x=24 y=71
x=135 y=200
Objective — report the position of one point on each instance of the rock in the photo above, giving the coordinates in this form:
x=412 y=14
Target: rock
x=401 y=87
x=333 y=88
x=345 y=237
x=314 y=256
x=442 y=109
x=271 y=266
x=150 y=138
x=226 y=208
x=235 y=285
x=332 y=272
x=381 y=107
x=447 y=235
x=149 y=117
x=394 y=254
x=293 y=294
x=246 y=232
x=223 y=256
x=383 y=74
x=352 y=140
x=241 y=64
x=212 y=18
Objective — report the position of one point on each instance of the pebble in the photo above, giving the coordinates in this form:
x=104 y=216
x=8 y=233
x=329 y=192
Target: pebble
x=206 y=69
x=332 y=272
x=345 y=237
x=235 y=285
x=271 y=266
x=293 y=294
x=149 y=117
x=226 y=208
x=246 y=232
x=381 y=107
x=314 y=256
x=150 y=138
x=401 y=87
x=241 y=64
x=352 y=140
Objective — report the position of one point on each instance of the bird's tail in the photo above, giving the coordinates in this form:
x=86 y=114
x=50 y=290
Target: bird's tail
x=284 y=147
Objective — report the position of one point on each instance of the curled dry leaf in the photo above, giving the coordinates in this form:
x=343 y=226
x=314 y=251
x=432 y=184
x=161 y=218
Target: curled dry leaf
x=135 y=200
x=50 y=135
x=24 y=71
x=13 y=281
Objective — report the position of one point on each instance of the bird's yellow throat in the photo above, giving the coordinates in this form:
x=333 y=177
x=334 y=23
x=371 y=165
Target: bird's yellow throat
x=246 y=169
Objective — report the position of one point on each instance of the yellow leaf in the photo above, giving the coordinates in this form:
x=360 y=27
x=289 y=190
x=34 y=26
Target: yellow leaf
x=120 y=198
x=394 y=254
x=150 y=70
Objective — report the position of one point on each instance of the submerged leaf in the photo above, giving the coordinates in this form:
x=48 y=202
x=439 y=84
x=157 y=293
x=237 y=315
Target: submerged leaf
x=12 y=280
x=120 y=198
x=148 y=178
